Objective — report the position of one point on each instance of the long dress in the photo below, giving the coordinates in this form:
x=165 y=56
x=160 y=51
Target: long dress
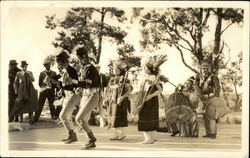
x=149 y=114
x=119 y=112
x=26 y=101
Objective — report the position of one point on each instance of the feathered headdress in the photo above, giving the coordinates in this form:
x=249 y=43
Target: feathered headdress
x=154 y=62
x=49 y=60
x=120 y=64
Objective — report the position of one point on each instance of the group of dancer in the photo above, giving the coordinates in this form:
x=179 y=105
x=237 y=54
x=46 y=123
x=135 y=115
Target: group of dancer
x=82 y=86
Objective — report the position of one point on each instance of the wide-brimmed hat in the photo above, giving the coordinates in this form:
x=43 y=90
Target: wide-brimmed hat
x=13 y=62
x=24 y=63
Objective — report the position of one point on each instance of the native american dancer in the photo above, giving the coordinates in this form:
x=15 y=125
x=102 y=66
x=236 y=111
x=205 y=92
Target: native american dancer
x=119 y=103
x=148 y=100
x=214 y=108
x=180 y=111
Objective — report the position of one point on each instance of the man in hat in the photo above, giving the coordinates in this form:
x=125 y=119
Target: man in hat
x=90 y=82
x=13 y=69
x=71 y=99
x=47 y=83
x=209 y=87
x=26 y=101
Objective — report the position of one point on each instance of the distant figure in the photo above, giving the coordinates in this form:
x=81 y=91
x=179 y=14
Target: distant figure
x=26 y=101
x=13 y=69
x=47 y=82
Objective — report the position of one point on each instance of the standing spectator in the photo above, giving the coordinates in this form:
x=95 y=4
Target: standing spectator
x=47 y=83
x=26 y=101
x=13 y=69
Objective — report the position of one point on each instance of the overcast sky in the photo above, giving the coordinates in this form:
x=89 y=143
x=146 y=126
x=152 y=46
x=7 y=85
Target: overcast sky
x=28 y=39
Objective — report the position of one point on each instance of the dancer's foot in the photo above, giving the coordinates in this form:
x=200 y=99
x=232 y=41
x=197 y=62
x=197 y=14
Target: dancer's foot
x=88 y=146
x=207 y=136
x=174 y=133
x=114 y=138
x=149 y=141
x=121 y=137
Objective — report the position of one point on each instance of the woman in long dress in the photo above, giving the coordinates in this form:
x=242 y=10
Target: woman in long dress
x=120 y=103
x=26 y=101
x=148 y=100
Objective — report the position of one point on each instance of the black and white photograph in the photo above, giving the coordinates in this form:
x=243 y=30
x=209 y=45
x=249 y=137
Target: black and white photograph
x=124 y=79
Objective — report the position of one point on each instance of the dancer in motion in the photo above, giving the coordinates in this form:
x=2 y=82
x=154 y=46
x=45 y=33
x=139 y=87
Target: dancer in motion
x=90 y=82
x=120 y=103
x=71 y=99
x=148 y=103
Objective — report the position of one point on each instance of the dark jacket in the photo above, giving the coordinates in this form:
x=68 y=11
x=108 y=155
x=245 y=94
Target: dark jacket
x=51 y=74
x=90 y=77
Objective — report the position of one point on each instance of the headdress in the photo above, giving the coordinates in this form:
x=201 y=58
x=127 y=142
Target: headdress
x=154 y=62
x=49 y=60
x=120 y=64
x=191 y=79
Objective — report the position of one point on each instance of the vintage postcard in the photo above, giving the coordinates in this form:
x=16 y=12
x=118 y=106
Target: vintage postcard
x=124 y=79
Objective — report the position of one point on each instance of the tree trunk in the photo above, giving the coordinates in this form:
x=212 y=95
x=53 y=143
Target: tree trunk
x=100 y=37
x=199 y=38
x=217 y=38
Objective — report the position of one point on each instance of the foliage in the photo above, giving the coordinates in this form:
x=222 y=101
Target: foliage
x=233 y=78
x=80 y=26
x=184 y=29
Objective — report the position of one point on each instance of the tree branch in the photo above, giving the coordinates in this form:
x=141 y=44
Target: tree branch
x=206 y=18
x=183 y=60
x=185 y=48
x=226 y=28
x=177 y=33
x=191 y=33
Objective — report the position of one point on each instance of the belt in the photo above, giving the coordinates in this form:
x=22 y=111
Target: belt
x=90 y=90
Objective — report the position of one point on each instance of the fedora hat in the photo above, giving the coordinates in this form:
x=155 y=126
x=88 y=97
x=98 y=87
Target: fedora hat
x=13 y=62
x=23 y=63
